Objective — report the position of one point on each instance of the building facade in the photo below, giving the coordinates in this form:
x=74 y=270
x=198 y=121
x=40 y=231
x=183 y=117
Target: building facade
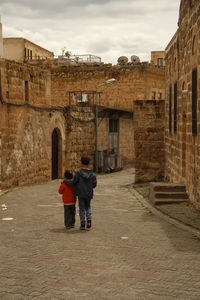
x=20 y=49
x=182 y=134
x=46 y=126
x=158 y=58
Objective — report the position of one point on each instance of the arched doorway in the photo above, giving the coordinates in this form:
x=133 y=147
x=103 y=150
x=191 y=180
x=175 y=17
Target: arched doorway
x=55 y=146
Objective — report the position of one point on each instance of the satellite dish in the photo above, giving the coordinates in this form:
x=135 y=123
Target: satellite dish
x=135 y=59
x=122 y=60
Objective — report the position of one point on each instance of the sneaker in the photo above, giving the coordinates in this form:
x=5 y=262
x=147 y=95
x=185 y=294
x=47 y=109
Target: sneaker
x=82 y=226
x=89 y=223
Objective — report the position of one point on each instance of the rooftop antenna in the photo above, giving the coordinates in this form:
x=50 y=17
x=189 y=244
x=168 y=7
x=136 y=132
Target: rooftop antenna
x=63 y=50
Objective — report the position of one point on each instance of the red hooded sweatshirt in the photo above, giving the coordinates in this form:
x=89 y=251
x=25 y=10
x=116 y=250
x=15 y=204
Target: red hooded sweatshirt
x=67 y=192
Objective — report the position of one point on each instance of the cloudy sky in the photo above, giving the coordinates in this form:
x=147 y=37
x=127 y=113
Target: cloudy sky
x=106 y=28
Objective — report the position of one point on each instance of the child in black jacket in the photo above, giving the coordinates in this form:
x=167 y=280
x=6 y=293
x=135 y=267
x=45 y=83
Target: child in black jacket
x=84 y=181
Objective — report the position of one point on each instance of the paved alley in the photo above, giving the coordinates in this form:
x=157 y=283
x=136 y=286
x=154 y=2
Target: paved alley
x=129 y=254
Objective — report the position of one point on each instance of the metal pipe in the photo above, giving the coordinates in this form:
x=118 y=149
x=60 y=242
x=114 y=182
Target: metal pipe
x=96 y=131
x=111 y=80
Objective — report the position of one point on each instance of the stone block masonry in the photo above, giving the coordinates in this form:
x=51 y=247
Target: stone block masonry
x=182 y=102
x=149 y=150
x=133 y=82
x=43 y=132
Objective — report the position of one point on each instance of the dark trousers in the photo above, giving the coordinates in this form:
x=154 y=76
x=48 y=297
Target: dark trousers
x=69 y=214
x=84 y=209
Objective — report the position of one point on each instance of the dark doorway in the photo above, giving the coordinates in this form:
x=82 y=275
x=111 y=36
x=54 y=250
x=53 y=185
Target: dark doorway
x=55 y=150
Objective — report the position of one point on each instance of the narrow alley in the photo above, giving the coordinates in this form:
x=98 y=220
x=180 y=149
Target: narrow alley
x=129 y=254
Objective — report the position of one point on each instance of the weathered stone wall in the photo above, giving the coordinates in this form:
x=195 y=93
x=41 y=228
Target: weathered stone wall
x=182 y=57
x=80 y=136
x=126 y=140
x=27 y=126
x=36 y=101
x=133 y=82
x=148 y=122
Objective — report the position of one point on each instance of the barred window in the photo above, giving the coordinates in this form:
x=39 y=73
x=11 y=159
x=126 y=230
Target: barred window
x=194 y=102
x=170 y=108
x=175 y=107
x=26 y=91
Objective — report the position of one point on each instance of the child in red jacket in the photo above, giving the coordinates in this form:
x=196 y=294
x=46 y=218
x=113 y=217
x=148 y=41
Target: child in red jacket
x=69 y=201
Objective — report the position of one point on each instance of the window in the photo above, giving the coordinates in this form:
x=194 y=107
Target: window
x=31 y=54
x=175 y=62
x=153 y=95
x=160 y=62
x=26 y=91
x=113 y=125
x=194 y=45
x=81 y=97
x=159 y=96
x=175 y=107
x=170 y=108
x=194 y=102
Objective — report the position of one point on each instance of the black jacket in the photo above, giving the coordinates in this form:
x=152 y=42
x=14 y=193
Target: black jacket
x=84 y=181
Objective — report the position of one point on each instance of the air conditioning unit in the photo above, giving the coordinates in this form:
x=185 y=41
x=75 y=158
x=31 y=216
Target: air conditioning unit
x=81 y=97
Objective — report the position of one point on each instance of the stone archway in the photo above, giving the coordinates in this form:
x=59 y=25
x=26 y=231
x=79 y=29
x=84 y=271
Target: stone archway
x=56 y=153
x=57 y=140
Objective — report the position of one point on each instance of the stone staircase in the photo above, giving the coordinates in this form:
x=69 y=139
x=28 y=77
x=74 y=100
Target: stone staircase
x=166 y=192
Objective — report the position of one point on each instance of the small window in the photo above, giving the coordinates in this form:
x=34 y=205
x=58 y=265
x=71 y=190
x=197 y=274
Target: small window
x=160 y=62
x=175 y=107
x=194 y=102
x=81 y=97
x=175 y=63
x=159 y=96
x=113 y=125
x=170 y=108
x=153 y=95
x=26 y=91
x=194 y=45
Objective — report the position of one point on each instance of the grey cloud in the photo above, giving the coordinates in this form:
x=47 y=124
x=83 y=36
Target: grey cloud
x=107 y=28
x=85 y=9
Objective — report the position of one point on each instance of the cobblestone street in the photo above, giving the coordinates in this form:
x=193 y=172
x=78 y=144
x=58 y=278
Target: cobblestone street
x=129 y=254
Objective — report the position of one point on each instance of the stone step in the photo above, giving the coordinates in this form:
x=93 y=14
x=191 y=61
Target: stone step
x=167 y=188
x=171 y=195
x=166 y=192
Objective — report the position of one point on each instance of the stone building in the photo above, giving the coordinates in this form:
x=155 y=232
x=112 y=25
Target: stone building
x=1 y=41
x=46 y=126
x=158 y=58
x=182 y=134
x=21 y=49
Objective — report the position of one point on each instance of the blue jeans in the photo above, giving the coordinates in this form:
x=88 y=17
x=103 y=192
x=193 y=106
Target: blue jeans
x=84 y=209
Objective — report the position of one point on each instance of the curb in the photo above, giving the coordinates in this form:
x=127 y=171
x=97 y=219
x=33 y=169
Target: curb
x=164 y=216
x=3 y=192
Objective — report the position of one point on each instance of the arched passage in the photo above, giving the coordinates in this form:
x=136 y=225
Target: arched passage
x=56 y=152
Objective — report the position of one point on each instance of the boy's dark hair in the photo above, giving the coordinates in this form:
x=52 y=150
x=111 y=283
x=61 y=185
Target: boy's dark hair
x=68 y=175
x=85 y=160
